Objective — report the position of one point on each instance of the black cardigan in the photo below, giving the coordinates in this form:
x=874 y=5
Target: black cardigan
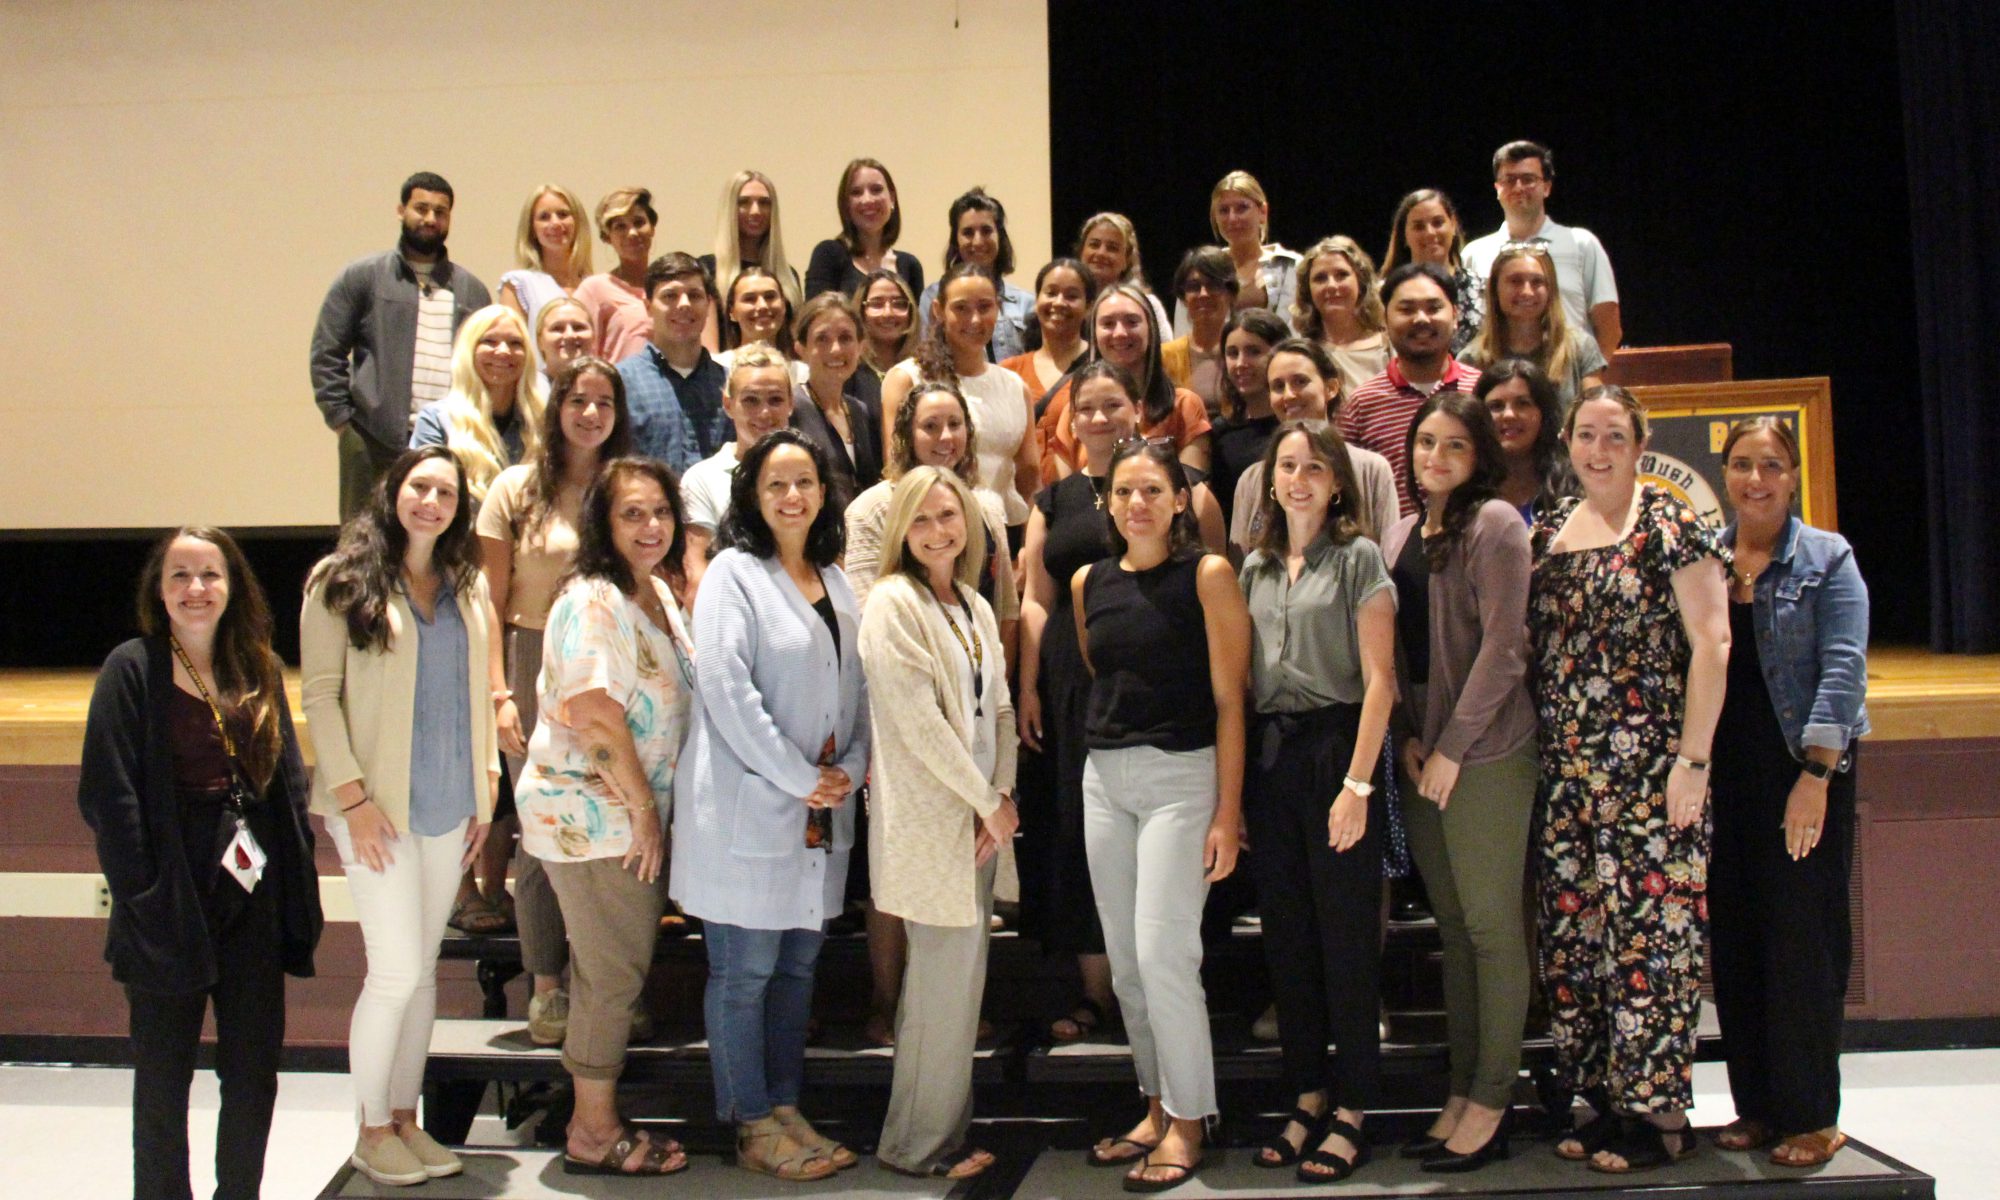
x=832 y=269
x=158 y=939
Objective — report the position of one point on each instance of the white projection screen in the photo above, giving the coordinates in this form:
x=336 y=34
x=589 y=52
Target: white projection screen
x=183 y=180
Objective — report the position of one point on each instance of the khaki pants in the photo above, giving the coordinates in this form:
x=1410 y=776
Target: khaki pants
x=362 y=465
x=613 y=919
x=937 y=1031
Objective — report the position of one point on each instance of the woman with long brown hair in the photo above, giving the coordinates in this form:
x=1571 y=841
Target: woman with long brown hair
x=191 y=773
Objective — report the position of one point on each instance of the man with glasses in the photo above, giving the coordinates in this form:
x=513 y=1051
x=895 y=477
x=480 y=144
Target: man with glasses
x=673 y=389
x=1524 y=174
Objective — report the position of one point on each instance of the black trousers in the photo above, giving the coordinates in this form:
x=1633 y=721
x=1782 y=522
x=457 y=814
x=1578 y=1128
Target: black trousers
x=1781 y=943
x=249 y=998
x=1322 y=910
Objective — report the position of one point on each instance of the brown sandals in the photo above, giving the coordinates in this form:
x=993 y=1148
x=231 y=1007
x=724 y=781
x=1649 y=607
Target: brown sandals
x=660 y=1158
x=782 y=1156
x=1806 y=1150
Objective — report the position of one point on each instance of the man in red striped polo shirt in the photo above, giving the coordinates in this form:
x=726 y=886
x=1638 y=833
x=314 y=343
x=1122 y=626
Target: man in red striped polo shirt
x=1421 y=309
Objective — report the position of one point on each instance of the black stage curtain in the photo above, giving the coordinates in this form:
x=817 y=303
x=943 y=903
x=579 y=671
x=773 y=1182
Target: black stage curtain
x=1951 y=121
x=1744 y=164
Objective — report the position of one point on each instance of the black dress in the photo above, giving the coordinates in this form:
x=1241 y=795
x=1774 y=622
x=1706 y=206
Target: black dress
x=1236 y=445
x=1780 y=930
x=1057 y=904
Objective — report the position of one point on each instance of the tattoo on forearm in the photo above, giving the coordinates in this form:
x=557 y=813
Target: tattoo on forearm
x=601 y=755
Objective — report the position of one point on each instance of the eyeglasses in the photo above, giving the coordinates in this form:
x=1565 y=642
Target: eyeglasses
x=1520 y=180
x=887 y=304
x=1199 y=286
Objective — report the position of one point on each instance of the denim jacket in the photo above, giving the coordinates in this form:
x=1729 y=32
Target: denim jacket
x=1811 y=616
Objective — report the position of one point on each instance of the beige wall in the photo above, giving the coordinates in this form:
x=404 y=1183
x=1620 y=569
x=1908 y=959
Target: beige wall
x=182 y=181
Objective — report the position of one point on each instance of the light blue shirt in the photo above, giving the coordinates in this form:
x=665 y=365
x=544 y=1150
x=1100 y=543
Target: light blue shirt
x=1810 y=609
x=441 y=727
x=769 y=689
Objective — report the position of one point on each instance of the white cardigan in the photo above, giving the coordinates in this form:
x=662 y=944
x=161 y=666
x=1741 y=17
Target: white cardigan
x=926 y=790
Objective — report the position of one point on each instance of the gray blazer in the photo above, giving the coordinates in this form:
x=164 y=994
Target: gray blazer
x=365 y=344
x=768 y=690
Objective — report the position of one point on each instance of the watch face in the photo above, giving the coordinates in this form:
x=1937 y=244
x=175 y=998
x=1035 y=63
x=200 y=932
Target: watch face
x=1818 y=770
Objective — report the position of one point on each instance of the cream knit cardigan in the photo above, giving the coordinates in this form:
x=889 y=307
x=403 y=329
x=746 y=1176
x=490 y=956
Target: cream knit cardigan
x=925 y=791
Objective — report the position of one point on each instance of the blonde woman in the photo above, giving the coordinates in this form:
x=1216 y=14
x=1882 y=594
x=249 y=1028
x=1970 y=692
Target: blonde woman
x=1108 y=244
x=1525 y=319
x=563 y=334
x=492 y=417
x=1266 y=273
x=942 y=804
x=1337 y=306
x=747 y=235
x=626 y=220
x=551 y=257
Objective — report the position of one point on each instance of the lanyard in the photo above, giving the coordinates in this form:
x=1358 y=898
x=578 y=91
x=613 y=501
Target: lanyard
x=221 y=726
x=975 y=650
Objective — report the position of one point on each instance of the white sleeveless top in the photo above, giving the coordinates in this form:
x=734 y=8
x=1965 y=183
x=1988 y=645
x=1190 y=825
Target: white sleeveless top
x=999 y=403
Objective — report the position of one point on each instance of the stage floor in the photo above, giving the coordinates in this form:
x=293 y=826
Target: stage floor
x=1912 y=695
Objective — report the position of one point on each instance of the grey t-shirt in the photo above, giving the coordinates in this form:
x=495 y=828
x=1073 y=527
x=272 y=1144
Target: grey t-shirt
x=1306 y=653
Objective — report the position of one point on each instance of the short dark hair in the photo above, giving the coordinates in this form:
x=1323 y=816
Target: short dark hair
x=678 y=264
x=1393 y=282
x=596 y=556
x=745 y=528
x=1183 y=533
x=1521 y=151
x=976 y=200
x=430 y=181
x=1211 y=263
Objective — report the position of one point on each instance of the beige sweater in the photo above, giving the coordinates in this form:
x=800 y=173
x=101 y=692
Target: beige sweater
x=361 y=705
x=925 y=790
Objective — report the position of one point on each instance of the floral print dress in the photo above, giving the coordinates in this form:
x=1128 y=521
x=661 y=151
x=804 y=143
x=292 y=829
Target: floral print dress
x=1622 y=894
x=599 y=638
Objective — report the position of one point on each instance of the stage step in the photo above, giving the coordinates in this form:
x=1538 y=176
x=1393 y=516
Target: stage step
x=1045 y=1161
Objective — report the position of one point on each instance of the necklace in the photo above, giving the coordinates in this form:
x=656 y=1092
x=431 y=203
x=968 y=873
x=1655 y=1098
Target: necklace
x=1099 y=485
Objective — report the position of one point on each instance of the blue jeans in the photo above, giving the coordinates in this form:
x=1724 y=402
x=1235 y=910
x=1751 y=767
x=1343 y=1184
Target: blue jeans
x=760 y=984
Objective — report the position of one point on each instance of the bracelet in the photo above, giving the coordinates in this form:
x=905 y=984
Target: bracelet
x=1692 y=764
x=502 y=695
x=357 y=804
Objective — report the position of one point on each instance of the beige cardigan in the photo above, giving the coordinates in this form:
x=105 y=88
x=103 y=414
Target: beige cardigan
x=925 y=791
x=361 y=704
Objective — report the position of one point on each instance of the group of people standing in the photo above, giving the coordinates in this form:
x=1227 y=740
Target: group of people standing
x=1287 y=592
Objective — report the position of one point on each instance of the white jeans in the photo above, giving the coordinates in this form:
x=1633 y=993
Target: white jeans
x=403 y=910
x=1145 y=826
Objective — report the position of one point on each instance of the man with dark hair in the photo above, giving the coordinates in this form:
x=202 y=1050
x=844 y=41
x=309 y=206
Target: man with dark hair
x=673 y=388
x=382 y=348
x=1420 y=308
x=1524 y=174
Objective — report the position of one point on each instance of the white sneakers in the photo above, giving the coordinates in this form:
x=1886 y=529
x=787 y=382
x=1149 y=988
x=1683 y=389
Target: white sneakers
x=400 y=1161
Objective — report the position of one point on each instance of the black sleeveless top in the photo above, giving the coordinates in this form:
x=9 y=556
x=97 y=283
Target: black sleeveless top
x=1077 y=532
x=1149 y=646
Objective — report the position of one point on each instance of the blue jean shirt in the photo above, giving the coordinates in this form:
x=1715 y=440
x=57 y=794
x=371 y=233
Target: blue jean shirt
x=1810 y=609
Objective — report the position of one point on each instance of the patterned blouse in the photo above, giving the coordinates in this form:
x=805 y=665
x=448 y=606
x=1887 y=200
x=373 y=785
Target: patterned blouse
x=599 y=638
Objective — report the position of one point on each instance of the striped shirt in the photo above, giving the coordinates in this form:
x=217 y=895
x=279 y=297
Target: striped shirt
x=1379 y=413
x=430 y=372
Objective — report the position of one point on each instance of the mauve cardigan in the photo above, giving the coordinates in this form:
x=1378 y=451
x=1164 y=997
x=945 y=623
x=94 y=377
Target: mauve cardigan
x=1475 y=708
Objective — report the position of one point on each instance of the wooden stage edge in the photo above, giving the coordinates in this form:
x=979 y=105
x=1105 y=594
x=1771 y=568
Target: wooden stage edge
x=1913 y=695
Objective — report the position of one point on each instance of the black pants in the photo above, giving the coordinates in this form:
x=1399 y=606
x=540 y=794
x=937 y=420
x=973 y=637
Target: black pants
x=249 y=997
x=1322 y=910
x=1781 y=945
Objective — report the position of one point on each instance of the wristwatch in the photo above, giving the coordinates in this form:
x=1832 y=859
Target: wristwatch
x=1363 y=790
x=1817 y=769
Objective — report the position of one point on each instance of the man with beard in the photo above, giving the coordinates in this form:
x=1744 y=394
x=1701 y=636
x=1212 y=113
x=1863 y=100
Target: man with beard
x=382 y=348
x=1422 y=314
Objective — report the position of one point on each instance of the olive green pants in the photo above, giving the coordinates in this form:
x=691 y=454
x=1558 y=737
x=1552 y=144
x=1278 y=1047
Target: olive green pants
x=1473 y=854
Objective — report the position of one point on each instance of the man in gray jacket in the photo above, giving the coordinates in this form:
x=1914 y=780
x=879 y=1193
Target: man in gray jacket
x=382 y=348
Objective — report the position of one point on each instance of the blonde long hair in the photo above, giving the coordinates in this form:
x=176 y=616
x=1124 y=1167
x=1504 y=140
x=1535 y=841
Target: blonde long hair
x=1558 y=348
x=528 y=253
x=469 y=431
x=728 y=239
x=912 y=487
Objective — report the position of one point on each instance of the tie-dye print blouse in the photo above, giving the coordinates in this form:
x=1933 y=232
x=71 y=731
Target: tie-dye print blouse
x=597 y=637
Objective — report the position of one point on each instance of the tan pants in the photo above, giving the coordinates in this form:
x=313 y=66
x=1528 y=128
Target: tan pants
x=613 y=919
x=937 y=1031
